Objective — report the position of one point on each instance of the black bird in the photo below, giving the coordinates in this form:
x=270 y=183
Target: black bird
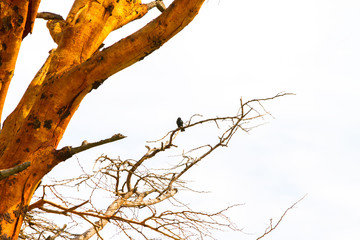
x=180 y=124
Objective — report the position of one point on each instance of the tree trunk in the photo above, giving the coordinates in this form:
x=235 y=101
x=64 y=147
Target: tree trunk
x=33 y=130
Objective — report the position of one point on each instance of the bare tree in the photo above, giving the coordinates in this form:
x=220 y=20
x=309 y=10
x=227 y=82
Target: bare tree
x=30 y=135
x=79 y=64
x=142 y=200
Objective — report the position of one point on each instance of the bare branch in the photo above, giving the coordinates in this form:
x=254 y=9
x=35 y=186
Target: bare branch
x=86 y=145
x=270 y=228
x=68 y=151
x=137 y=190
x=159 y=4
x=12 y=171
x=49 y=16
x=281 y=94
x=151 y=153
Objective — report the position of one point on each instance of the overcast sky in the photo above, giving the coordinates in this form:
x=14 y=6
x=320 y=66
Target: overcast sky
x=233 y=49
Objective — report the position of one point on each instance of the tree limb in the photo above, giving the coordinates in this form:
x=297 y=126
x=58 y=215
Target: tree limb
x=49 y=16
x=159 y=4
x=138 y=45
x=113 y=208
x=270 y=228
x=68 y=151
x=30 y=18
x=85 y=145
x=135 y=187
x=11 y=171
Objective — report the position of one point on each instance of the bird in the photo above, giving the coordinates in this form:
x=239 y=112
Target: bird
x=180 y=124
x=84 y=143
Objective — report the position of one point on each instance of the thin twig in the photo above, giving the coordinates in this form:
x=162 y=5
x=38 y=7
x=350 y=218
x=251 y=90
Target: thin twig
x=271 y=227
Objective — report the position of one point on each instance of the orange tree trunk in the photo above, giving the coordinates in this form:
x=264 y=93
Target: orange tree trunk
x=33 y=130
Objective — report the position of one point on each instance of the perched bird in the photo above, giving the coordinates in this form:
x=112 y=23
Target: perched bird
x=84 y=143
x=180 y=124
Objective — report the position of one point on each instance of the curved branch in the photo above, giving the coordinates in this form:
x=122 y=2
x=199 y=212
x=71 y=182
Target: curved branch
x=12 y=171
x=139 y=44
x=150 y=153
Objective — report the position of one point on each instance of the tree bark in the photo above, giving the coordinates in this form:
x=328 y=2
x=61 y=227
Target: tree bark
x=16 y=19
x=33 y=130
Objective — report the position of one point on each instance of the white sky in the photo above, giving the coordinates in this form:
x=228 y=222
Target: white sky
x=252 y=49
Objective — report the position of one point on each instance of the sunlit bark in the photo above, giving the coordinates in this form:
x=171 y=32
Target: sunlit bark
x=33 y=130
x=16 y=21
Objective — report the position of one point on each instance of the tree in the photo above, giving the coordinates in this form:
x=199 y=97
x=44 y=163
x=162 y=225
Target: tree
x=31 y=133
x=33 y=130
x=136 y=188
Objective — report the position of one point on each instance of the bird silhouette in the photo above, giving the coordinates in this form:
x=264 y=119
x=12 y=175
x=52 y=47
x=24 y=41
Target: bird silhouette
x=180 y=124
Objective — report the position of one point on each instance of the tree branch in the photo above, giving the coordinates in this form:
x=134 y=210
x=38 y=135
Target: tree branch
x=137 y=190
x=85 y=145
x=11 y=171
x=68 y=151
x=270 y=228
x=49 y=16
x=30 y=18
x=138 y=45
x=114 y=207
x=151 y=153
x=159 y=4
